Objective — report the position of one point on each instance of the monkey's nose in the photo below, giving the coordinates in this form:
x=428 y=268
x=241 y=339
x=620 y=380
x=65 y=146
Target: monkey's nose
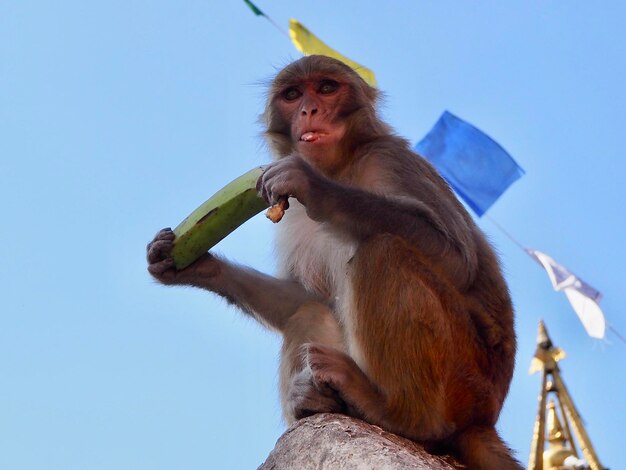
x=309 y=111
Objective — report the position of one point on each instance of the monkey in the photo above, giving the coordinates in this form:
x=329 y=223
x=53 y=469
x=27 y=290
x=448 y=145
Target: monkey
x=390 y=301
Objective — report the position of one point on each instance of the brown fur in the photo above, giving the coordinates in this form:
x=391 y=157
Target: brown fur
x=392 y=304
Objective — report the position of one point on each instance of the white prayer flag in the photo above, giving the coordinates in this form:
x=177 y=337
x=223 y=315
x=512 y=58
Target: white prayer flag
x=583 y=298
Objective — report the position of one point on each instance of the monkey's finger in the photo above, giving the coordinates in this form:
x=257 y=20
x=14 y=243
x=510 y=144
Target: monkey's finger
x=283 y=203
x=259 y=182
x=274 y=183
x=307 y=399
x=261 y=187
x=330 y=368
x=159 y=250
x=271 y=182
x=316 y=403
x=279 y=189
x=165 y=234
x=163 y=269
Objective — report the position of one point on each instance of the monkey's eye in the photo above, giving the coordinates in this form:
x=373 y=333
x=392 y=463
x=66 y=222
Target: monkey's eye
x=291 y=93
x=328 y=86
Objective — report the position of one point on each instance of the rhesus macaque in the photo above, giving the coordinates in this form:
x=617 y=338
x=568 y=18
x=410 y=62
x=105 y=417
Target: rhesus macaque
x=391 y=302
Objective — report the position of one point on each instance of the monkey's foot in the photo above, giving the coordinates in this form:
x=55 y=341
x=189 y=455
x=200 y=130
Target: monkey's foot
x=306 y=398
x=334 y=370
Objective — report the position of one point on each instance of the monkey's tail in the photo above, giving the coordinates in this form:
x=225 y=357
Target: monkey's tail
x=480 y=448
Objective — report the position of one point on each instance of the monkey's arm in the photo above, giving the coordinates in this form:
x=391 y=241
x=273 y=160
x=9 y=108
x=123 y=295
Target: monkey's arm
x=377 y=205
x=270 y=300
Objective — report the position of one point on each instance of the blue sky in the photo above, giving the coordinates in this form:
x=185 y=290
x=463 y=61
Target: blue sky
x=119 y=118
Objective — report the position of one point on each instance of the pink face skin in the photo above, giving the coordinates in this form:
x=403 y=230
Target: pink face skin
x=317 y=132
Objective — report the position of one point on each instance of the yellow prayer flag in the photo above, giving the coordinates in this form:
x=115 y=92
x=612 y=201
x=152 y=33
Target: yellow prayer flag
x=307 y=43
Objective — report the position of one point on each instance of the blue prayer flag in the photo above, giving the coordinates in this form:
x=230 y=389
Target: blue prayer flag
x=476 y=167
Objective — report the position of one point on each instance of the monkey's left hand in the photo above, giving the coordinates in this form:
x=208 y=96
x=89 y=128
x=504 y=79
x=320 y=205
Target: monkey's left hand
x=291 y=176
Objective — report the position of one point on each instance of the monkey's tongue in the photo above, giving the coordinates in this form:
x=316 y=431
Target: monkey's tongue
x=310 y=136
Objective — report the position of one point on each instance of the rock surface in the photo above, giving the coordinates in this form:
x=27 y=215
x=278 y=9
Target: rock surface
x=332 y=442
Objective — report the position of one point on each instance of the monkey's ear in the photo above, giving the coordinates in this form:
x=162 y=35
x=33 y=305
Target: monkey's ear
x=373 y=94
x=364 y=93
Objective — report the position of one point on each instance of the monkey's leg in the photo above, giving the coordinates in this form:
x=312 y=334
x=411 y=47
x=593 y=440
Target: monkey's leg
x=312 y=324
x=401 y=337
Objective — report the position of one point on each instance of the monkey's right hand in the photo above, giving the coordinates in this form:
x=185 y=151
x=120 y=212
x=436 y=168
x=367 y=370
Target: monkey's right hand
x=162 y=267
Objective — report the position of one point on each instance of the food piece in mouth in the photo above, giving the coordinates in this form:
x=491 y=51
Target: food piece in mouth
x=310 y=136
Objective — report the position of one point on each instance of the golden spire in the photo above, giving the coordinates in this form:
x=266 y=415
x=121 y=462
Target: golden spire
x=556 y=453
x=561 y=452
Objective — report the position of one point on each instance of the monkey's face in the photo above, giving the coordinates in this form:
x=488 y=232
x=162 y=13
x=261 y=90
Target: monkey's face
x=313 y=108
x=310 y=108
x=317 y=129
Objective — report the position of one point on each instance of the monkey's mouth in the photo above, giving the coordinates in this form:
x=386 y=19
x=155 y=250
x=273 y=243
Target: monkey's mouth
x=312 y=136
